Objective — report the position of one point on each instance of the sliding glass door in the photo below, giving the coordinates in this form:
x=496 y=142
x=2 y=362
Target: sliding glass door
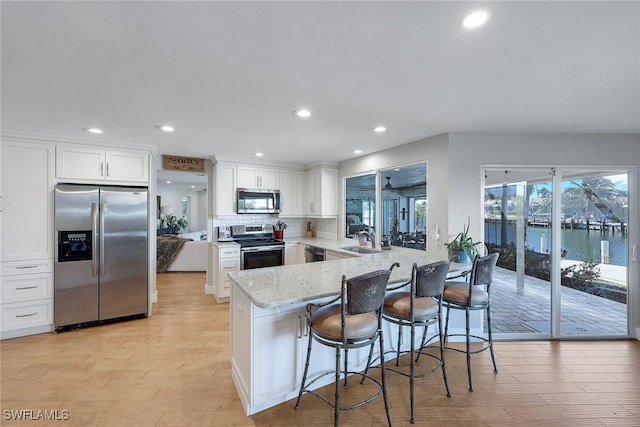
x=594 y=240
x=517 y=225
x=562 y=239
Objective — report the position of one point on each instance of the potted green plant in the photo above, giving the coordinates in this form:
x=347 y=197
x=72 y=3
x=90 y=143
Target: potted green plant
x=175 y=223
x=462 y=246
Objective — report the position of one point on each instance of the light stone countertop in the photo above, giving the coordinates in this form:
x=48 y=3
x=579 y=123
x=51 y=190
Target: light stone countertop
x=274 y=287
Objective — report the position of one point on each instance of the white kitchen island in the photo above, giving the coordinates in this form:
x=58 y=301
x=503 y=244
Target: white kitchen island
x=269 y=331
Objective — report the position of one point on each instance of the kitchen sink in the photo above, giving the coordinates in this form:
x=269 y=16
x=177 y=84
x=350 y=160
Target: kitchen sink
x=362 y=249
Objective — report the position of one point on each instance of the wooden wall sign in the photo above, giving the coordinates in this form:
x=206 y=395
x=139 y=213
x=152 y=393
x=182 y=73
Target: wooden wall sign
x=183 y=164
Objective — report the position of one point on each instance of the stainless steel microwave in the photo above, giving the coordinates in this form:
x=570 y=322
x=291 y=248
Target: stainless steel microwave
x=258 y=201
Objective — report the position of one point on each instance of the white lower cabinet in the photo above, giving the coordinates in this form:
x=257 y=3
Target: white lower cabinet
x=26 y=237
x=226 y=258
x=292 y=254
x=279 y=338
x=26 y=304
x=268 y=348
x=26 y=288
x=268 y=352
x=25 y=315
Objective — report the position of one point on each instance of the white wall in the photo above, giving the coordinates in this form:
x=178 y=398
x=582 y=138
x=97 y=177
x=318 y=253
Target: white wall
x=201 y=215
x=470 y=152
x=172 y=196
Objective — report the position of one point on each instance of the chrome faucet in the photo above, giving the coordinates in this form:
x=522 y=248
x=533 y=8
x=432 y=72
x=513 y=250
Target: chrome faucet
x=372 y=237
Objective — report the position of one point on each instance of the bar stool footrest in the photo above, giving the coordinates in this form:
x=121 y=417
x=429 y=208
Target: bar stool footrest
x=355 y=405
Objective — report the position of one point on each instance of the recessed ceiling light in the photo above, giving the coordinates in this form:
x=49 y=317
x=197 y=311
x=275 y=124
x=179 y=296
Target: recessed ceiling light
x=166 y=128
x=475 y=19
x=379 y=129
x=303 y=112
x=94 y=130
x=168 y=182
x=358 y=151
x=258 y=154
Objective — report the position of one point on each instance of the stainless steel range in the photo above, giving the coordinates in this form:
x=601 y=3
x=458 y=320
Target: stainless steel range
x=258 y=247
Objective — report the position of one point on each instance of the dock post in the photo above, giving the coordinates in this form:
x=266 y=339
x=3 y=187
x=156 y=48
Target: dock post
x=604 y=252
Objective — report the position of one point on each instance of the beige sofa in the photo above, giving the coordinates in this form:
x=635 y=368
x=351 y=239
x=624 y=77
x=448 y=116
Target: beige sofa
x=192 y=255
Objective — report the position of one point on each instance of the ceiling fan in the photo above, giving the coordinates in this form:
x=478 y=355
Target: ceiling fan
x=388 y=185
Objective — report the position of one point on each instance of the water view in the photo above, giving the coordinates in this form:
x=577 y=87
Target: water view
x=578 y=244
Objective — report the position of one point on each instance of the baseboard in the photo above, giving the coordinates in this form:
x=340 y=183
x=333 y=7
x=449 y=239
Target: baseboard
x=208 y=290
x=25 y=332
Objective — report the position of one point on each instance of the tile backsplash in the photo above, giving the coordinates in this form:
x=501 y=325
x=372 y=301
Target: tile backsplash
x=296 y=227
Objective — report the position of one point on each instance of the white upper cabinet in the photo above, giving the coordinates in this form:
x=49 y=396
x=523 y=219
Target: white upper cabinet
x=96 y=164
x=224 y=189
x=127 y=166
x=322 y=192
x=292 y=193
x=258 y=177
x=26 y=201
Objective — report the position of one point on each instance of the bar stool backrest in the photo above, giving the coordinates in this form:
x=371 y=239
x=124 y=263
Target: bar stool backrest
x=365 y=293
x=482 y=273
x=429 y=279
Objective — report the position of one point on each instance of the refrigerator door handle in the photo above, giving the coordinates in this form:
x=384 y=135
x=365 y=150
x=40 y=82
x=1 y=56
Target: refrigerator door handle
x=94 y=232
x=103 y=267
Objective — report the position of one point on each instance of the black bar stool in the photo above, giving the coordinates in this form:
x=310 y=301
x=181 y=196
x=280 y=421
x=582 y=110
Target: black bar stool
x=352 y=320
x=421 y=307
x=472 y=295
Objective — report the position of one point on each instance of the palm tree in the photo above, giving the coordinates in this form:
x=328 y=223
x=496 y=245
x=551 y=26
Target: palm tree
x=600 y=192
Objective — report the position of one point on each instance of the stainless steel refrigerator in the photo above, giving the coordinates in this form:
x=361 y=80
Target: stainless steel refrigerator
x=101 y=254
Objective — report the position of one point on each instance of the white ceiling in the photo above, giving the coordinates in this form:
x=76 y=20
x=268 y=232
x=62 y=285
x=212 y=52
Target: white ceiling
x=228 y=75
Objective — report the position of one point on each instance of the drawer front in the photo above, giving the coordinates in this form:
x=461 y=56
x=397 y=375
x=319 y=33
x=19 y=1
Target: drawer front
x=22 y=315
x=229 y=252
x=12 y=268
x=227 y=265
x=226 y=287
x=26 y=288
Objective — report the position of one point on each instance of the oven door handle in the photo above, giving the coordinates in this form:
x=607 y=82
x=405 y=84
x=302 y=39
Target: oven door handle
x=263 y=248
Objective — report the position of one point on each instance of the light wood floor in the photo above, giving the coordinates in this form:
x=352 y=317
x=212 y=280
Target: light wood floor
x=173 y=369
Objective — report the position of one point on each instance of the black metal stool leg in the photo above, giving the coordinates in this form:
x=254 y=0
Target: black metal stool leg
x=306 y=371
x=399 y=341
x=444 y=370
x=411 y=370
x=346 y=362
x=383 y=378
x=446 y=327
x=336 y=413
x=468 y=351
x=493 y=356
x=424 y=339
x=366 y=371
